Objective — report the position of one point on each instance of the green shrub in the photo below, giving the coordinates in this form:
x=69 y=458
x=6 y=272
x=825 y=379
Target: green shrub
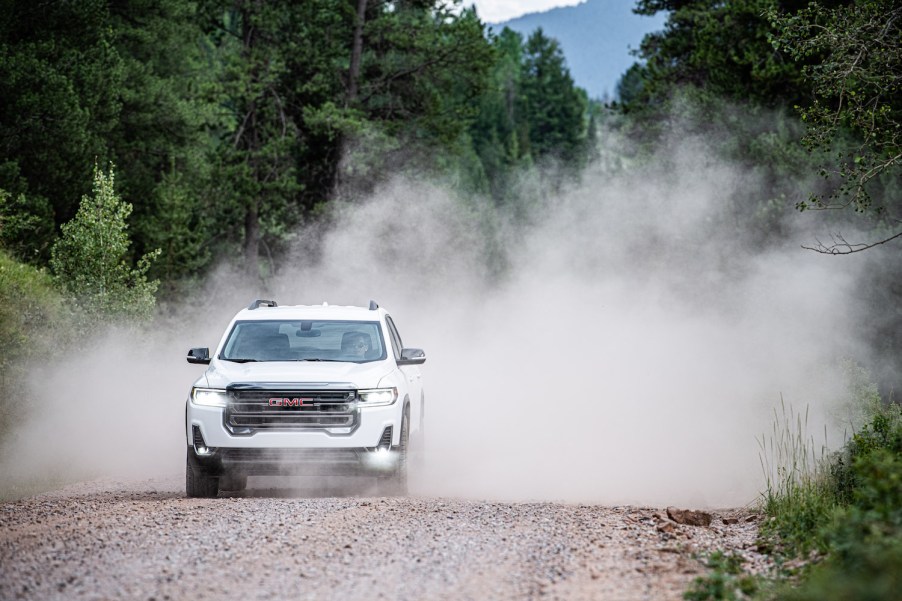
x=872 y=574
x=851 y=467
x=836 y=518
x=30 y=309
x=850 y=510
x=726 y=581
x=91 y=259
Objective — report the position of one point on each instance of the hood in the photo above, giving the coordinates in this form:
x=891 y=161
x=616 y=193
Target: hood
x=360 y=375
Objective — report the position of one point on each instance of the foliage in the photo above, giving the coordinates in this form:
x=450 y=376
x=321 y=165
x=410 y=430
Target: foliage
x=834 y=521
x=424 y=67
x=726 y=580
x=162 y=131
x=31 y=311
x=713 y=72
x=854 y=65
x=59 y=76
x=863 y=535
x=93 y=81
x=255 y=170
x=720 y=48
x=90 y=260
x=554 y=108
x=235 y=121
x=844 y=510
x=796 y=496
x=500 y=133
x=176 y=228
x=26 y=226
x=532 y=113
x=872 y=573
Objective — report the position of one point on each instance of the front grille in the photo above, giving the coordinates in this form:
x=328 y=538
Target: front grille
x=267 y=409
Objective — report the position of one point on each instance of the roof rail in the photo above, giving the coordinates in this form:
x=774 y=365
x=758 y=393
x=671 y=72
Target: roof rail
x=262 y=303
x=373 y=305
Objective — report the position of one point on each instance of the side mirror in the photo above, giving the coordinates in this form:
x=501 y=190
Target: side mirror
x=199 y=355
x=412 y=356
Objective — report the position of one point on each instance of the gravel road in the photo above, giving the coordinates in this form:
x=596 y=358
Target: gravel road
x=145 y=540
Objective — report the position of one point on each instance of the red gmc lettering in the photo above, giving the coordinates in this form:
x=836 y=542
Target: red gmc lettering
x=280 y=402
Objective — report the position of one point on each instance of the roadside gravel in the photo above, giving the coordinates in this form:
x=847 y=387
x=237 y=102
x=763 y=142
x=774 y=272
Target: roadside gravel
x=145 y=540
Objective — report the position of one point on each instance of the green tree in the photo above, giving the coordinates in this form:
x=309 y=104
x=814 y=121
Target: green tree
x=316 y=81
x=256 y=180
x=854 y=65
x=531 y=112
x=91 y=259
x=423 y=67
x=162 y=133
x=179 y=227
x=721 y=48
x=59 y=80
x=555 y=109
x=500 y=132
x=26 y=226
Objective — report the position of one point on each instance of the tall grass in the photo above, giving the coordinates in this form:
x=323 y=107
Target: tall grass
x=839 y=512
x=797 y=478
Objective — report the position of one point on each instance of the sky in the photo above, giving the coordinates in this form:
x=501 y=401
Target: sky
x=495 y=11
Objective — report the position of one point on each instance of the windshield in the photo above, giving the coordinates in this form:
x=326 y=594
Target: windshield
x=279 y=340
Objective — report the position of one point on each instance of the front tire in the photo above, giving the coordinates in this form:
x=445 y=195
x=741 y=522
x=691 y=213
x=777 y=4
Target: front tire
x=198 y=480
x=395 y=484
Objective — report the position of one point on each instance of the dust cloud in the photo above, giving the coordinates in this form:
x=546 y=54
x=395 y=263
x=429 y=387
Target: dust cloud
x=617 y=340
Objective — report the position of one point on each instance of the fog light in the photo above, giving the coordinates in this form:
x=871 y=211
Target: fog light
x=381 y=458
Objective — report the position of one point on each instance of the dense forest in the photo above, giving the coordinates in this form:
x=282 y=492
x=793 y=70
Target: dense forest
x=211 y=130
x=229 y=123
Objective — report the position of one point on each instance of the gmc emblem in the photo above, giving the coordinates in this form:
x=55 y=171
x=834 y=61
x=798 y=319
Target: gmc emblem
x=296 y=402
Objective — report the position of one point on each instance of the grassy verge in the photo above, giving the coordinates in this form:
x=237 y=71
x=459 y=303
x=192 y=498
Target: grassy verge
x=834 y=521
x=31 y=324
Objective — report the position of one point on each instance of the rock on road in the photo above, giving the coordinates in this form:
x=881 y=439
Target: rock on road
x=145 y=540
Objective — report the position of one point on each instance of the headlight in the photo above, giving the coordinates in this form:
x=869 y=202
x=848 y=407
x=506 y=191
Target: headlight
x=209 y=397
x=378 y=396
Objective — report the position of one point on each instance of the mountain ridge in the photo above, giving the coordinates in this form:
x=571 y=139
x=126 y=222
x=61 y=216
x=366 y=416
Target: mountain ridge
x=587 y=31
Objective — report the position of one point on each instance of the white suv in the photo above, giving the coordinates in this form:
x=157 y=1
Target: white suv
x=304 y=390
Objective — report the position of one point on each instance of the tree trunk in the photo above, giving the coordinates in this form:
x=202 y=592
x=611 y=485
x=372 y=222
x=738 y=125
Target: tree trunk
x=251 y=144
x=252 y=238
x=356 y=51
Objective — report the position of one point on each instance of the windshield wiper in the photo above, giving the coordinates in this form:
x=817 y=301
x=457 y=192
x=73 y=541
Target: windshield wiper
x=242 y=360
x=318 y=359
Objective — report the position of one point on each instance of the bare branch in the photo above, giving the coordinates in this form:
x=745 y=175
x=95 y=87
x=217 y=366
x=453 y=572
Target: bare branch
x=841 y=247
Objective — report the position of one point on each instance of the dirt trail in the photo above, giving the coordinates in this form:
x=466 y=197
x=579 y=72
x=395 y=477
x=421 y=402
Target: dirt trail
x=145 y=540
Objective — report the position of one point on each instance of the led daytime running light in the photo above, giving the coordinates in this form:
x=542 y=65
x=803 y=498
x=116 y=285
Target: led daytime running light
x=375 y=397
x=209 y=397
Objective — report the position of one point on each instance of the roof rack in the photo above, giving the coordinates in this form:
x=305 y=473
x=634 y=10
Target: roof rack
x=262 y=303
x=373 y=305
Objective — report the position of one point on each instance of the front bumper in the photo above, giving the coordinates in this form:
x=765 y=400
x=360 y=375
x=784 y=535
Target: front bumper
x=370 y=449
x=300 y=462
